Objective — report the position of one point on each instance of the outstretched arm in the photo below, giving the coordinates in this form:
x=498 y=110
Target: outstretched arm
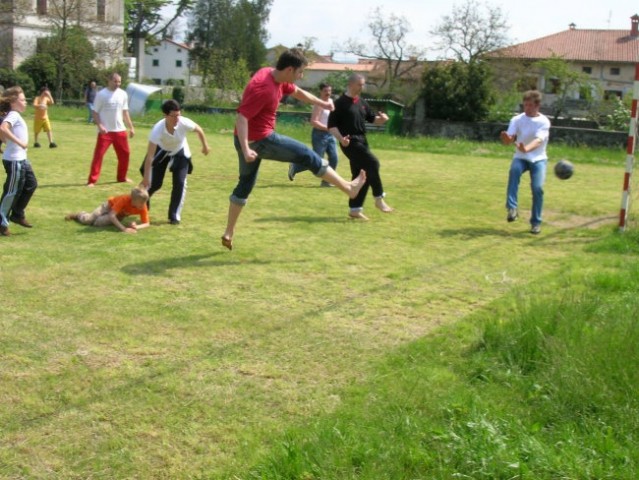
x=304 y=96
x=115 y=221
x=205 y=145
x=148 y=162
x=380 y=119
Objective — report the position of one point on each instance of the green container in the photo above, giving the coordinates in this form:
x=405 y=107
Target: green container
x=394 y=110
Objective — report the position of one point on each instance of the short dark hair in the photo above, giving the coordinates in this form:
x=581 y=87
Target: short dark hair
x=323 y=85
x=170 y=106
x=291 y=58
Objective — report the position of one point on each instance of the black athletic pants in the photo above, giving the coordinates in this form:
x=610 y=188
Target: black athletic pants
x=361 y=158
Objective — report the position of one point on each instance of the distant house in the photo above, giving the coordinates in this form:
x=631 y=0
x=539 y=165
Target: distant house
x=167 y=62
x=607 y=56
x=316 y=72
x=23 y=23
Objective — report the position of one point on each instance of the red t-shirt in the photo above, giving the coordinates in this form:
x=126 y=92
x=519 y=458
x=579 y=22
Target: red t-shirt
x=260 y=100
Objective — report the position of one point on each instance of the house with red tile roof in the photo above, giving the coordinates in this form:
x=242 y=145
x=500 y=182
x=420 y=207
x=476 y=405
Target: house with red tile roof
x=608 y=57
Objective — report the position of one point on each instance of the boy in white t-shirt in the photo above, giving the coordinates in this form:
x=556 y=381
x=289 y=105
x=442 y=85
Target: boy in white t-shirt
x=168 y=147
x=529 y=131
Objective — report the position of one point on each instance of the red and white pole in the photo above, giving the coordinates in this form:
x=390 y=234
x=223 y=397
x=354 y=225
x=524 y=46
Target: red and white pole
x=630 y=154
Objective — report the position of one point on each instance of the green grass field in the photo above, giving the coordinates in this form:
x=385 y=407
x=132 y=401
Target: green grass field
x=438 y=341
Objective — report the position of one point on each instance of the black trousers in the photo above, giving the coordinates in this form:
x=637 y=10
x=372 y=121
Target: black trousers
x=361 y=158
x=17 y=191
x=181 y=166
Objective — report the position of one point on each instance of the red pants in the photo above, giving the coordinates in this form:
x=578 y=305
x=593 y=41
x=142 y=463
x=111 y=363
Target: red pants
x=120 y=145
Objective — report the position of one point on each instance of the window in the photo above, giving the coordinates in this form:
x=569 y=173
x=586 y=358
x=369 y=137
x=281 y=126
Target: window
x=615 y=71
x=101 y=10
x=179 y=50
x=178 y=63
x=41 y=7
x=610 y=94
x=552 y=85
x=156 y=49
x=587 y=70
x=156 y=62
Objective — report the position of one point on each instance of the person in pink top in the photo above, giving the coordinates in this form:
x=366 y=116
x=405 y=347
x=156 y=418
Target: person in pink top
x=255 y=137
x=111 y=116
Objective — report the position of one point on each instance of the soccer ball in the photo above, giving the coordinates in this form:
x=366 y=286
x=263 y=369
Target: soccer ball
x=564 y=169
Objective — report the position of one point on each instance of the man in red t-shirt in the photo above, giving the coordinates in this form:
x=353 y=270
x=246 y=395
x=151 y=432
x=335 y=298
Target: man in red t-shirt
x=255 y=137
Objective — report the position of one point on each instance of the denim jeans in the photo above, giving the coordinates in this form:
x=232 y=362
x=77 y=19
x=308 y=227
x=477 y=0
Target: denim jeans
x=323 y=143
x=537 y=178
x=274 y=147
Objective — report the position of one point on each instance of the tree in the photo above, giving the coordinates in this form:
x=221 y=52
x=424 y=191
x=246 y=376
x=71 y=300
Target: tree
x=457 y=91
x=10 y=78
x=389 y=45
x=563 y=81
x=41 y=68
x=471 y=31
x=228 y=30
x=146 y=19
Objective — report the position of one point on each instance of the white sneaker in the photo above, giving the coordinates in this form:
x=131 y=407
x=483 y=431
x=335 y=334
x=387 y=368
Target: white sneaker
x=512 y=214
x=291 y=172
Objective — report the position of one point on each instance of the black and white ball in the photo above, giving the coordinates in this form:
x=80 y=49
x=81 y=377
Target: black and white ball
x=564 y=169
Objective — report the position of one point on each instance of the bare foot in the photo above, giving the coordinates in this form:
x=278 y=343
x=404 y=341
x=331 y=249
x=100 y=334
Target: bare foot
x=383 y=206
x=358 y=216
x=357 y=184
x=90 y=185
x=126 y=180
x=227 y=242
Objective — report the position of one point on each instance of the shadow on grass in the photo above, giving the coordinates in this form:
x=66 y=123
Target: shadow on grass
x=474 y=232
x=82 y=184
x=161 y=266
x=300 y=218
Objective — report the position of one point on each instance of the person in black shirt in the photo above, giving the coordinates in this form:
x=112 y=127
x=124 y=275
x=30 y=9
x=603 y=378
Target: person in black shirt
x=347 y=123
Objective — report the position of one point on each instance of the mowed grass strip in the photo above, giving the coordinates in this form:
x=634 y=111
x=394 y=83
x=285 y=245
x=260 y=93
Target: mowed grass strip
x=162 y=355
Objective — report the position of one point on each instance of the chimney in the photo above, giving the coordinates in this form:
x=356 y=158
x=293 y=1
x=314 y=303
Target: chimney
x=634 y=25
x=572 y=26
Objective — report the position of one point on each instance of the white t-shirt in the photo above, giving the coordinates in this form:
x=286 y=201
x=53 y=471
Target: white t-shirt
x=110 y=105
x=14 y=152
x=527 y=129
x=173 y=143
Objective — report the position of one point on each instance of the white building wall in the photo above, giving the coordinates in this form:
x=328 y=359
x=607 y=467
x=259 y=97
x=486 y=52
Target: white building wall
x=167 y=61
x=20 y=32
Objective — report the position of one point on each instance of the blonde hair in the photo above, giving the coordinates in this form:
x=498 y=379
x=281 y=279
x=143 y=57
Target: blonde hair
x=533 y=96
x=9 y=96
x=139 y=194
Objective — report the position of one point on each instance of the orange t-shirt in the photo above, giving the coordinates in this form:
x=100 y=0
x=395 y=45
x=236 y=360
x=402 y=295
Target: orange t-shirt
x=41 y=113
x=123 y=207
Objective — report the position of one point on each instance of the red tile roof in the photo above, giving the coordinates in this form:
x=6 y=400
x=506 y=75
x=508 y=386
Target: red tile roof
x=579 y=45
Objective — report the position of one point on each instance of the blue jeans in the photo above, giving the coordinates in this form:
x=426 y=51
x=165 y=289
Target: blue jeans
x=323 y=143
x=274 y=147
x=537 y=179
x=90 y=109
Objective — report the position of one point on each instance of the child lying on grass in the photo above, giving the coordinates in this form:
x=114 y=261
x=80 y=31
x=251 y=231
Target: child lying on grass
x=113 y=211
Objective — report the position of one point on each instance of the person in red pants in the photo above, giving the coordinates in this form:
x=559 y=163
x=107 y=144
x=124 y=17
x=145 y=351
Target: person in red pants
x=111 y=115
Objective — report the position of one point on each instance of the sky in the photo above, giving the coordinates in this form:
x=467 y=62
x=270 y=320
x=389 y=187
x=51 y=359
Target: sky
x=332 y=22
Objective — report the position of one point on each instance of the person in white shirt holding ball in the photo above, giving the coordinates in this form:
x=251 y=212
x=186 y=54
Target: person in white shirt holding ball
x=529 y=131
